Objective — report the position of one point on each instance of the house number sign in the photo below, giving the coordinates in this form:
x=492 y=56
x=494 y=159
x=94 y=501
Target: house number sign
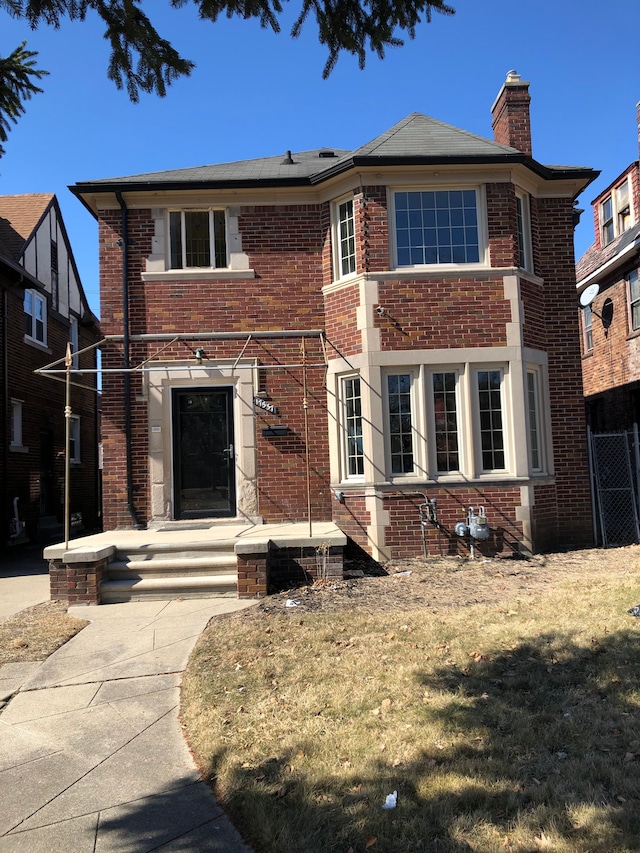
x=262 y=404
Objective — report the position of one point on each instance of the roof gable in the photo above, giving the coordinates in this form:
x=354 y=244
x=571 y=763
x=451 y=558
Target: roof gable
x=19 y=217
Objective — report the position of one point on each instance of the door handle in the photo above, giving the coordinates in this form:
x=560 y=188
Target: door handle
x=228 y=451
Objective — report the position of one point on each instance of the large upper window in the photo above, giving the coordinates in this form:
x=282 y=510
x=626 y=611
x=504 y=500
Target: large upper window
x=634 y=300
x=437 y=227
x=35 y=316
x=346 y=239
x=197 y=238
x=615 y=213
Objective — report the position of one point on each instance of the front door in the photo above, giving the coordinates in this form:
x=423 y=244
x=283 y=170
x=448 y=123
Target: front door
x=203 y=457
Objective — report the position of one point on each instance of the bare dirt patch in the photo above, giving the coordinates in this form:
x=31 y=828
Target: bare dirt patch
x=442 y=582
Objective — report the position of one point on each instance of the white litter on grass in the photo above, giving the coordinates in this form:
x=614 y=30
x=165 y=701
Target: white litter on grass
x=402 y=574
x=392 y=801
x=291 y=602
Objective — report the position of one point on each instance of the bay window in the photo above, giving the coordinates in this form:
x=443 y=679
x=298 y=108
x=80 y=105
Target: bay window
x=437 y=227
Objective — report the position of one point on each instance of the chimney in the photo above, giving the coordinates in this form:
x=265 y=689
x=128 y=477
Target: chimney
x=511 y=122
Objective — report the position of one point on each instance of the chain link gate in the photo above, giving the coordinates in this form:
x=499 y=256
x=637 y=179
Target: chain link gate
x=614 y=473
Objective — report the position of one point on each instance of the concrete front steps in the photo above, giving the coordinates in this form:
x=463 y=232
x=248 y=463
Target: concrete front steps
x=171 y=570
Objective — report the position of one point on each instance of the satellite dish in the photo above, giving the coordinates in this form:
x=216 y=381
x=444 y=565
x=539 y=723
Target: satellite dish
x=589 y=294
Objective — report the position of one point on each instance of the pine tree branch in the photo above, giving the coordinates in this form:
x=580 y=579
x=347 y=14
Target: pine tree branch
x=17 y=75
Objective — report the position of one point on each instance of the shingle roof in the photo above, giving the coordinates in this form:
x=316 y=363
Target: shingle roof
x=417 y=139
x=594 y=258
x=19 y=215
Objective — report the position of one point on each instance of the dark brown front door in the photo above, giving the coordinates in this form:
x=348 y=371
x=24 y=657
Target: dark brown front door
x=203 y=454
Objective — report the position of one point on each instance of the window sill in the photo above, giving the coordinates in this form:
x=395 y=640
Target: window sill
x=18 y=448
x=197 y=275
x=588 y=354
x=37 y=345
x=634 y=333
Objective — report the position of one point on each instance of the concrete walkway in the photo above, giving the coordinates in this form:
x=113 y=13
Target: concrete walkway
x=92 y=757
x=24 y=580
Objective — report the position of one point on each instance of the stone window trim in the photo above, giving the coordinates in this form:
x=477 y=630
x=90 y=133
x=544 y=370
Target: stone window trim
x=158 y=263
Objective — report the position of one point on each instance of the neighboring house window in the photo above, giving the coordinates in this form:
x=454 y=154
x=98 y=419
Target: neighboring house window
x=489 y=386
x=54 y=274
x=352 y=421
x=445 y=415
x=524 y=231
x=587 y=322
x=73 y=339
x=35 y=316
x=16 y=423
x=400 y=422
x=346 y=238
x=634 y=300
x=74 y=438
x=615 y=213
x=437 y=227
x=533 y=405
x=197 y=239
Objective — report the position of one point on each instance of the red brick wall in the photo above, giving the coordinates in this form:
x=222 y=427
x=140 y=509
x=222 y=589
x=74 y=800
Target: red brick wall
x=437 y=313
x=511 y=120
x=502 y=225
x=341 y=321
x=372 y=229
x=43 y=415
x=563 y=346
x=534 y=332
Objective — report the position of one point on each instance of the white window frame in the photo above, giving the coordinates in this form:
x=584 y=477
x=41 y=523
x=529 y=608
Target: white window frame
x=16 y=423
x=346 y=456
x=503 y=370
x=622 y=214
x=587 y=328
x=74 y=439
x=525 y=246
x=212 y=251
x=74 y=339
x=35 y=299
x=416 y=452
x=633 y=295
x=481 y=227
x=535 y=419
x=457 y=371
x=339 y=256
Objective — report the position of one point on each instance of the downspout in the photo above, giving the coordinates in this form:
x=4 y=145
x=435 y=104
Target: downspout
x=124 y=243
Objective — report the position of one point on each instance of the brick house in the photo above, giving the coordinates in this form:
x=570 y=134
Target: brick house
x=347 y=334
x=611 y=323
x=43 y=306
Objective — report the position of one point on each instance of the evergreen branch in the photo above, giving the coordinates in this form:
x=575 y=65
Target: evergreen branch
x=17 y=76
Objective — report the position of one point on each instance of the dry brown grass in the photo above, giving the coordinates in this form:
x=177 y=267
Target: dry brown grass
x=35 y=633
x=512 y=724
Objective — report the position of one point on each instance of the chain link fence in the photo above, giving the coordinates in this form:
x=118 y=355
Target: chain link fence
x=614 y=462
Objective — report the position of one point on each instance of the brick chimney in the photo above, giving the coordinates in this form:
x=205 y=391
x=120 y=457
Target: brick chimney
x=511 y=122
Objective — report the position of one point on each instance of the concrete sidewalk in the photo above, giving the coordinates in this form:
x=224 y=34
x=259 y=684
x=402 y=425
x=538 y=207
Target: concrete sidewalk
x=24 y=580
x=92 y=756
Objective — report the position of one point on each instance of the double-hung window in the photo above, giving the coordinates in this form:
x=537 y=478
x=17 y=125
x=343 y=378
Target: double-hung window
x=197 y=239
x=587 y=326
x=400 y=414
x=615 y=213
x=353 y=461
x=74 y=339
x=74 y=438
x=490 y=401
x=534 y=418
x=345 y=239
x=445 y=421
x=437 y=227
x=634 y=300
x=524 y=231
x=16 y=423
x=35 y=317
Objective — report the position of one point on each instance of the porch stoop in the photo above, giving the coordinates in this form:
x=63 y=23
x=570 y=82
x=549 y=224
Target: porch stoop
x=243 y=561
x=168 y=570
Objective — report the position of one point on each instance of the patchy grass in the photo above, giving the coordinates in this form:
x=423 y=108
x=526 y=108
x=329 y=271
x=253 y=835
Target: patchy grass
x=508 y=726
x=35 y=633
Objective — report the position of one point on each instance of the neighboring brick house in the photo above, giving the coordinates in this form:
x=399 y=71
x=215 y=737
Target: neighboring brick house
x=611 y=324
x=42 y=306
x=421 y=288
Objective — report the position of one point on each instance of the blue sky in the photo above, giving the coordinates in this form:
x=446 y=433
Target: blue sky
x=254 y=94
